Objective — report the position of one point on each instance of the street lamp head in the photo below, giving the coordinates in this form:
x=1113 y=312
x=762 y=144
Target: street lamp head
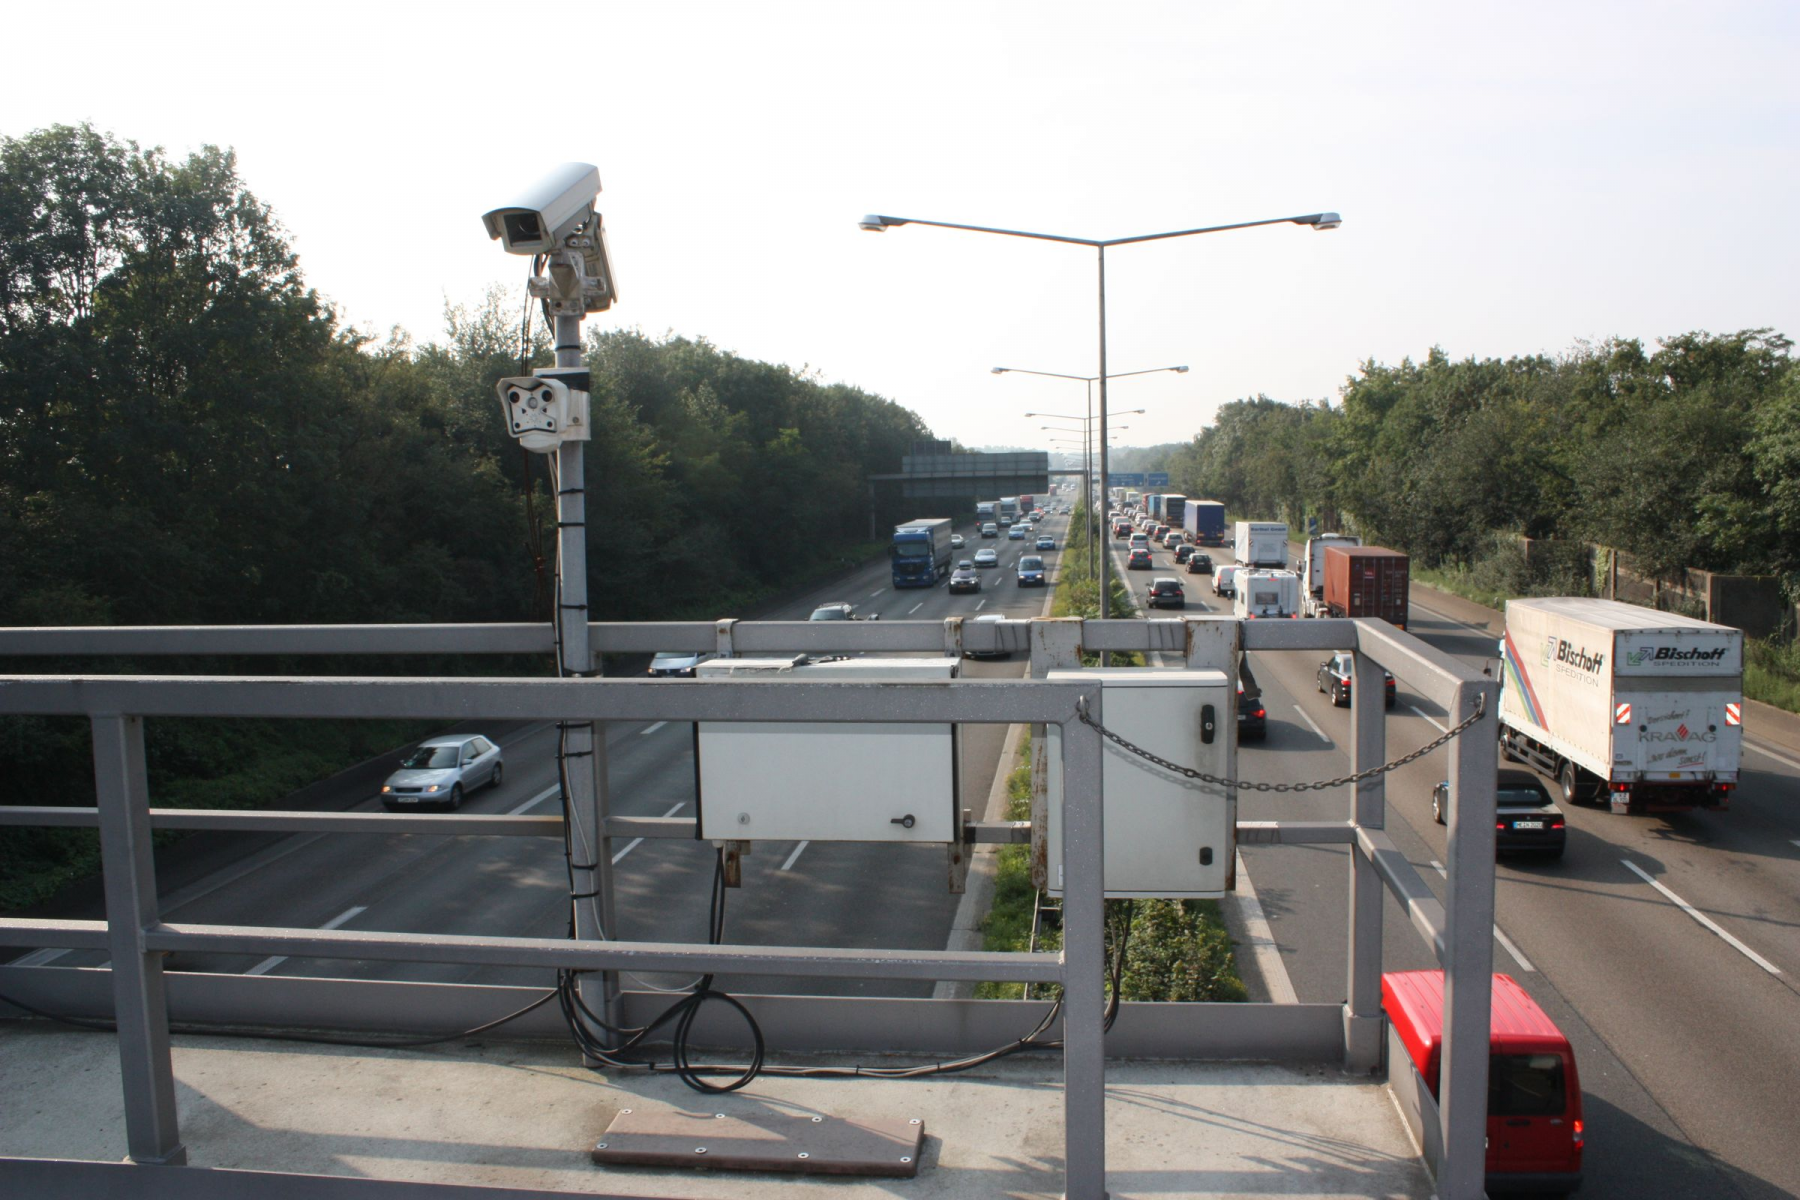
x=1181 y=370
x=1320 y=220
x=875 y=223
x=997 y=371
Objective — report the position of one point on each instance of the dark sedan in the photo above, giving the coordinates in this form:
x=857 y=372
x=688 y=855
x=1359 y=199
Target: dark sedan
x=965 y=578
x=1334 y=679
x=1525 y=820
x=1199 y=564
x=1167 y=592
x=1252 y=716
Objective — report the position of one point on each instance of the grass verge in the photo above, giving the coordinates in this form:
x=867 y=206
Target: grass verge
x=1177 y=949
x=1772 y=672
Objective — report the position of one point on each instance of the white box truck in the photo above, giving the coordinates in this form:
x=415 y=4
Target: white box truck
x=1312 y=570
x=1639 y=707
x=791 y=781
x=1166 y=835
x=1260 y=544
x=1262 y=595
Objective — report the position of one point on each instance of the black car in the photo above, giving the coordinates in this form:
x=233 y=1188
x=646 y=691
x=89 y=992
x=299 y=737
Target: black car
x=1525 y=820
x=1252 y=716
x=1334 y=679
x=1199 y=564
x=1166 y=592
x=965 y=578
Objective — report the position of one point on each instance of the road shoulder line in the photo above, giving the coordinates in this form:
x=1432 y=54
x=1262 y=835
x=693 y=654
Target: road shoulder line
x=1260 y=940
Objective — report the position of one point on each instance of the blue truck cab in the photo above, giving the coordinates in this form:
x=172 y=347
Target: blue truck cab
x=920 y=552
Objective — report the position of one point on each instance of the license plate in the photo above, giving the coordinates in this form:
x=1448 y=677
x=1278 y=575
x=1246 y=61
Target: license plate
x=1528 y=824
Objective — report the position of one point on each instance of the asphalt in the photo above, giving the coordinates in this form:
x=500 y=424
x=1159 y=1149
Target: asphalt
x=805 y=894
x=1687 y=1047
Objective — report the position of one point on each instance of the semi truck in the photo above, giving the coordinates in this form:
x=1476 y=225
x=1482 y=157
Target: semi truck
x=1009 y=510
x=1260 y=544
x=1262 y=595
x=1204 y=521
x=1367 y=581
x=1639 y=708
x=1174 y=508
x=920 y=552
x=1311 y=569
x=986 y=511
x=1027 y=504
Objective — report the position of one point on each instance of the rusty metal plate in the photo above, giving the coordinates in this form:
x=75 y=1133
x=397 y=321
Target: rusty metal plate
x=802 y=1143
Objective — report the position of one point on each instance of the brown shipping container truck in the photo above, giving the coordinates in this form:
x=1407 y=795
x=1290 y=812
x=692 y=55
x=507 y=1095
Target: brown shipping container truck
x=1367 y=581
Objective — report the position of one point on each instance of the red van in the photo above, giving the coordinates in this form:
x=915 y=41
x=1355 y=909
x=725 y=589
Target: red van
x=1534 y=1129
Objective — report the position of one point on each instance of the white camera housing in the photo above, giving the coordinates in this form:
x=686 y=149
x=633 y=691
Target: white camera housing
x=542 y=215
x=542 y=411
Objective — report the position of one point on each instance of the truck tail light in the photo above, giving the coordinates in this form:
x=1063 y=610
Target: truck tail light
x=1621 y=787
x=1579 y=1133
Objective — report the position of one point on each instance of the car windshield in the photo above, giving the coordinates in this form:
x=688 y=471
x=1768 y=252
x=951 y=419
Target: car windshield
x=912 y=549
x=1519 y=798
x=672 y=658
x=833 y=613
x=428 y=757
x=1031 y=562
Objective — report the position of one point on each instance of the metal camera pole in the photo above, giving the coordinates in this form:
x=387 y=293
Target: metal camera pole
x=584 y=744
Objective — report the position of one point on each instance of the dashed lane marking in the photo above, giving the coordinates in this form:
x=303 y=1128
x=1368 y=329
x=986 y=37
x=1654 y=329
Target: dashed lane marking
x=636 y=842
x=651 y=729
x=1309 y=721
x=794 y=855
x=1705 y=920
x=1518 y=956
x=269 y=964
x=1417 y=711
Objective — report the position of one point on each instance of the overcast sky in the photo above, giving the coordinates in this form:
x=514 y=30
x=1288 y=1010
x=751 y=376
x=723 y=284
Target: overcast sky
x=1513 y=177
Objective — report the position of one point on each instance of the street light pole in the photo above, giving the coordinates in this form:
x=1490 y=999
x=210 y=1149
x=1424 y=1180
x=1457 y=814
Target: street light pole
x=878 y=223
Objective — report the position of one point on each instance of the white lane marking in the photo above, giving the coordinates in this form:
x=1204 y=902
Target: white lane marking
x=1454 y=621
x=1433 y=720
x=1780 y=758
x=915 y=608
x=636 y=842
x=1518 y=955
x=1263 y=950
x=269 y=964
x=1309 y=721
x=979 y=603
x=648 y=730
x=37 y=958
x=536 y=800
x=876 y=592
x=1705 y=920
x=794 y=855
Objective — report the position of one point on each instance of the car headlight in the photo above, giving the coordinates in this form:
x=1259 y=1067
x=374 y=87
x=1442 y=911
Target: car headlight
x=431 y=787
x=387 y=787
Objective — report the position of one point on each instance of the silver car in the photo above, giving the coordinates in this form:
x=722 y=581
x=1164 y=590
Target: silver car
x=441 y=770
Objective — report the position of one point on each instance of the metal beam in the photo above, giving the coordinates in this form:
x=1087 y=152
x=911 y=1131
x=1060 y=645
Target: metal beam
x=227 y=640
x=553 y=953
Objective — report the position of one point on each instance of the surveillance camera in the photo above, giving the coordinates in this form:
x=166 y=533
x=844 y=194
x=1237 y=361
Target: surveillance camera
x=546 y=408
x=542 y=215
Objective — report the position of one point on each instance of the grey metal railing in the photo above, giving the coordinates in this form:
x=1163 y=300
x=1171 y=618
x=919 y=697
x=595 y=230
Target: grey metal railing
x=136 y=937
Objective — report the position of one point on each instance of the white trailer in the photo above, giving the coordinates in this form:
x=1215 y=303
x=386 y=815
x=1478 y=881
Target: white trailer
x=1312 y=570
x=1643 y=708
x=1260 y=544
x=1265 y=594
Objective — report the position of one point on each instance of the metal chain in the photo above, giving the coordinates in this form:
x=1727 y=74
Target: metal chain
x=1248 y=785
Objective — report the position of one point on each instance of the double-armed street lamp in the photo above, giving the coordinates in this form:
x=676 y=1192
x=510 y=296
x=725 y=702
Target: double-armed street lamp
x=877 y=223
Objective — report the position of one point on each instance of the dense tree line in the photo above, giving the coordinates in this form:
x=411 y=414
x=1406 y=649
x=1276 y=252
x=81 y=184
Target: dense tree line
x=1688 y=455
x=190 y=435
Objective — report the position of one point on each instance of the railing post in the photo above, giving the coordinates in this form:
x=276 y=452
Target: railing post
x=1468 y=947
x=140 y=1002
x=1084 y=959
x=1368 y=809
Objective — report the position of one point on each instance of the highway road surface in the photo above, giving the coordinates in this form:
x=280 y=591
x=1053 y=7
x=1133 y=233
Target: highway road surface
x=1666 y=946
x=793 y=893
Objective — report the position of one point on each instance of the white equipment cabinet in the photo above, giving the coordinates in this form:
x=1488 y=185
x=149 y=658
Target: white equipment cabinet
x=788 y=781
x=1166 y=835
